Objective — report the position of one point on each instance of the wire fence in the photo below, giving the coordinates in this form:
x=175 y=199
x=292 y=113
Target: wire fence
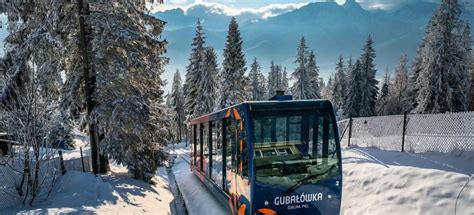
x=444 y=133
x=51 y=169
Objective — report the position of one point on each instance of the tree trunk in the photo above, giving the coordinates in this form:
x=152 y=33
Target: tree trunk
x=89 y=86
x=103 y=158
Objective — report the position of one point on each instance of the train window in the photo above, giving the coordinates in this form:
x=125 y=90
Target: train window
x=205 y=147
x=281 y=131
x=302 y=148
x=243 y=155
x=229 y=141
x=294 y=128
x=201 y=157
x=210 y=146
x=194 y=144
x=217 y=153
x=233 y=143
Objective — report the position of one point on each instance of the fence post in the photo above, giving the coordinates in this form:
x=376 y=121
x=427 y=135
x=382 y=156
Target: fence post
x=404 y=129
x=350 y=132
x=82 y=160
x=61 y=162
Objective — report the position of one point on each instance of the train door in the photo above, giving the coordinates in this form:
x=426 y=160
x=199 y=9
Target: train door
x=236 y=158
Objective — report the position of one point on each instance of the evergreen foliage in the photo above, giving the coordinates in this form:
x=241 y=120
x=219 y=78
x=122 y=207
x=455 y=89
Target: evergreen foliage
x=207 y=85
x=339 y=90
x=369 y=89
x=302 y=87
x=233 y=79
x=384 y=97
x=177 y=105
x=194 y=72
x=257 y=82
x=441 y=65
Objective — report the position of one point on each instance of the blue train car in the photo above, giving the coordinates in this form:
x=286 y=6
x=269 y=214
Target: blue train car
x=270 y=157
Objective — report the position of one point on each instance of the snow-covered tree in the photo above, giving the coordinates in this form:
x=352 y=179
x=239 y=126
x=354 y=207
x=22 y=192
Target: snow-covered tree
x=257 y=82
x=384 y=96
x=321 y=83
x=326 y=92
x=194 y=73
x=339 y=90
x=347 y=73
x=367 y=79
x=400 y=89
x=111 y=51
x=126 y=58
x=177 y=106
x=273 y=80
x=313 y=72
x=233 y=79
x=34 y=121
x=443 y=76
x=207 y=93
x=34 y=45
x=354 y=99
x=303 y=86
x=284 y=80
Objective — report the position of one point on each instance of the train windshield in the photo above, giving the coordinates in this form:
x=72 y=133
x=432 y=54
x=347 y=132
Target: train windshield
x=294 y=147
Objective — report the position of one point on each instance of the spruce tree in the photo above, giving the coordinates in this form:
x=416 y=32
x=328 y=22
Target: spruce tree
x=284 y=80
x=302 y=87
x=177 y=105
x=194 y=72
x=313 y=72
x=273 y=79
x=112 y=52
x=347 y=72
x=354 y=99
x=384 y=97
x=326 y=92
x=129 y=113
x=339 y=90
x=400 y=94
x=257 y=82
x=442 y=77
x=367 y=79
x=234 y=81
x=207 y=85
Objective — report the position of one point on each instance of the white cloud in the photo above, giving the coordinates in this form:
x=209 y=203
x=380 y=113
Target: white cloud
x=264 y=12
x=272 y=9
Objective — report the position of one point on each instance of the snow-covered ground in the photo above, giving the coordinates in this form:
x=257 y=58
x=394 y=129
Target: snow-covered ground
x=381 y=182
x=375 y=182
x=390 y=182
x=115 y=193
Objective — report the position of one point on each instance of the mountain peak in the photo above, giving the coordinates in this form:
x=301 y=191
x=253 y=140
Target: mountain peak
x=352 y=4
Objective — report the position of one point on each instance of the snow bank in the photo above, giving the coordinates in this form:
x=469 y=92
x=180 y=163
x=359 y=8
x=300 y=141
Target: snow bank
x=116 y=193
x=387 y=182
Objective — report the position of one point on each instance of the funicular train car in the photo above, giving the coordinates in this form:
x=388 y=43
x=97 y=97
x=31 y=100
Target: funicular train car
x=270 y=157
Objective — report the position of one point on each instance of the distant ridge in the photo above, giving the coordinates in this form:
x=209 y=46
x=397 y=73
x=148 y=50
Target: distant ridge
x=330 y=29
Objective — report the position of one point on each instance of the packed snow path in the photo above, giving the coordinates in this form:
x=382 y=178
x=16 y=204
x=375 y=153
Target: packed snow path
x=196 y=196
x=390 y=182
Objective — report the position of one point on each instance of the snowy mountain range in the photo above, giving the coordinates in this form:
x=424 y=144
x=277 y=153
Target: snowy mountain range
x=330 y=29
